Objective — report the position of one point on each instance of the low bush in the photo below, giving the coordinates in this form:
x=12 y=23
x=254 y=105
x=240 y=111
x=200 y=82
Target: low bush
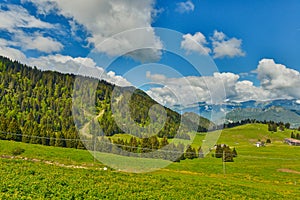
x=17 y=151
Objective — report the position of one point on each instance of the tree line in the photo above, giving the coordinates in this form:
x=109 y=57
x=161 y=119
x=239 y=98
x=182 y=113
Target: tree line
x=295 y=136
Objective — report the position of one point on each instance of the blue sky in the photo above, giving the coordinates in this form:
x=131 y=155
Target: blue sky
x=218 y=50
x=268 y=28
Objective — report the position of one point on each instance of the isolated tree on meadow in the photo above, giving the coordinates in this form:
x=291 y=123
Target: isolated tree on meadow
x=234 y=153
x=219 y=151
x=190 y=153
x=227 y=154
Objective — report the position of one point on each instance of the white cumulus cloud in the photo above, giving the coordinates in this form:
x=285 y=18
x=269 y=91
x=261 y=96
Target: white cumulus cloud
x=276 y=82
x=104 y=19
x=185 y=7
x=196 y=43
x=12 y=53
x=77 y=65
x=38 y=42
x=224 y=47
x=14 y=19
x=282 y=81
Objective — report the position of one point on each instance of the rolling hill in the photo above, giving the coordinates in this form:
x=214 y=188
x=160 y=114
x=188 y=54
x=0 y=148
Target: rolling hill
x=36 y=107
x=270 y=172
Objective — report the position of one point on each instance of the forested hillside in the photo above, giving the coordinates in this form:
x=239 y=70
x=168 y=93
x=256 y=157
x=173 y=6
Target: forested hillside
x=36 y=107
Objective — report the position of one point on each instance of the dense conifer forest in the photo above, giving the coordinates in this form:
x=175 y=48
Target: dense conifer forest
x=36 y=107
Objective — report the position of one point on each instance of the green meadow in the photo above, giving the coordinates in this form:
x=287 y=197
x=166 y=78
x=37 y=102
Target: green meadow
x=270 y=172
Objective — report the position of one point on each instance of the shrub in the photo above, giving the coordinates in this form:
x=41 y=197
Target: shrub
x=17 y=151
x=234 y=153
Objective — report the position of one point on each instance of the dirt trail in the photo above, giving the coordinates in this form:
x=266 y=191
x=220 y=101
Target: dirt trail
x=288 y=171
x=49 y=162
x=84 y=131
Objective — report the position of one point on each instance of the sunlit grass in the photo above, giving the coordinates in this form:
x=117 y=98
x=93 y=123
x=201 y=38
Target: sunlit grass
x=259 y=173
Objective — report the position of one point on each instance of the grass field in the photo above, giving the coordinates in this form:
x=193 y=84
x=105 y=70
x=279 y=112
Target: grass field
x=271 y=172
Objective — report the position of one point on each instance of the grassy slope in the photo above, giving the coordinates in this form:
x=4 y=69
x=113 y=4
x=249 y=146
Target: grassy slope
x=254 y=174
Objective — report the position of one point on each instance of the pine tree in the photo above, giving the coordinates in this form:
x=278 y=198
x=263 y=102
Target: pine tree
x=273 y=127
x=234 y=153
x=227 y=155
x=60 y=142
x=14 y=132
x=190 y=153
x=281 y=127
x=219 y=151
x=3 y=128
x=287 y=125
x=292 y=135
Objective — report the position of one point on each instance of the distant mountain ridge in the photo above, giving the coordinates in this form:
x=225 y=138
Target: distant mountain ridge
x=273 y=113
x=280 y=110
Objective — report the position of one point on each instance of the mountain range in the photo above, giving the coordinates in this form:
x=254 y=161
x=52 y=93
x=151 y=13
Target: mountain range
x=280 y=110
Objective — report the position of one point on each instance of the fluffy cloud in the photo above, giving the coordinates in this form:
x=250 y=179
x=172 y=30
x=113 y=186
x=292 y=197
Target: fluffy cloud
x=192 y=89
x=210 y=89
x=63 y=64
x=277 y=82
x=38 y=42
x=104 y=19
x=185 y=7
x=78 y=65
x=245 y=91
x=282 y=81
x=195 y=43
x=14 y=19
x=12 y=53
x=223 y=47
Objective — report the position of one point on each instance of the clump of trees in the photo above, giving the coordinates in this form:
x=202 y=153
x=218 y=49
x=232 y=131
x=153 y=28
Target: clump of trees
x=225 y=152
x=154 y=148
x=295 y=136
x=272 y=127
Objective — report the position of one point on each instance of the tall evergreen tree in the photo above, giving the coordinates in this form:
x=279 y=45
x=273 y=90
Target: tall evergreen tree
x=234 y=153
x=227 y=154
x=219 y=151
x=293 y=135
x=190 y=153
